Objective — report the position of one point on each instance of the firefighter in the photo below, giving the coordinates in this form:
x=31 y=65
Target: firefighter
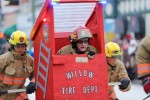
x=143 y=63
x=15 y=66
x=116 y=69
x=79 y=39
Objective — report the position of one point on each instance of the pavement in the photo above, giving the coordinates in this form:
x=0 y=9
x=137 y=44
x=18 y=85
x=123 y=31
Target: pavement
x=136 y=92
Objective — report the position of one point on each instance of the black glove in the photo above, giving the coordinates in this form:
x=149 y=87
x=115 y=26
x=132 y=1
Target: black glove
x=124 y=83
x=91 y=54
x=30 y=88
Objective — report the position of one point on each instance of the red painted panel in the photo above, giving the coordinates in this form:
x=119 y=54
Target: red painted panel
x=60 y=42
x=80 y=80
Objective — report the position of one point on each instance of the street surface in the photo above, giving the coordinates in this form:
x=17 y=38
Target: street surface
x=136 y=92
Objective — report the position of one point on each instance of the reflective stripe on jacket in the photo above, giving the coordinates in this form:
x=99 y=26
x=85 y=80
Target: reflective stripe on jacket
x=22 y=96
x=11 y=81
x=144 y=68
x=112 y=94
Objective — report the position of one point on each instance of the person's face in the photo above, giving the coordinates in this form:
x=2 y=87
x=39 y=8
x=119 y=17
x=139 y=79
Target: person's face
x=82 y=44
x=112 y=60
x=20 y=48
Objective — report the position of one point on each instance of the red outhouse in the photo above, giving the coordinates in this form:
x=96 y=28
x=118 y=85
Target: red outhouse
x=69 y=77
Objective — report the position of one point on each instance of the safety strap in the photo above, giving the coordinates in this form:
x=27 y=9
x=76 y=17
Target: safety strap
x=22 y=96
x=10 y=81
x=143 y=68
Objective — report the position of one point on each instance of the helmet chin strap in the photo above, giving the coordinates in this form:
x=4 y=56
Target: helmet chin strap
x=112 y=67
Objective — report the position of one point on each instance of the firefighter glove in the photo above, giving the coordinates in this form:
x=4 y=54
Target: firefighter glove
x=146 y=84
x=30 y=88
x=124 y=83
x=91 y=54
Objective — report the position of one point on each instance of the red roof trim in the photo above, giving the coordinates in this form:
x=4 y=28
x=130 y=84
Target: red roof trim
x=44 y=8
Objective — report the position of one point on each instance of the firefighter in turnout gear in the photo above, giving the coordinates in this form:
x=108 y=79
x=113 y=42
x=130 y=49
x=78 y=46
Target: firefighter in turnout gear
x=116 y=69
x=79 y=39
x=15 y=66
x=143 y=63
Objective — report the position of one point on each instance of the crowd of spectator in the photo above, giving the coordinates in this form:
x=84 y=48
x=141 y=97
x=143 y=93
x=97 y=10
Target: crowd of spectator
x=129 y=46
x=4 y=45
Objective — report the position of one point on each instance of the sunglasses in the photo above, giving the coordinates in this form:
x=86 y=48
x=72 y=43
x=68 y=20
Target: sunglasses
x=82 y=41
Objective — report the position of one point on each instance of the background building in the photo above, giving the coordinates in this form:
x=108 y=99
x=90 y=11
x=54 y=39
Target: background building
x=131 y=16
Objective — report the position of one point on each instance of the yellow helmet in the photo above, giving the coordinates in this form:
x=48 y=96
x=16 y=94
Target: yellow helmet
x=113 y=50
x=18 y=37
